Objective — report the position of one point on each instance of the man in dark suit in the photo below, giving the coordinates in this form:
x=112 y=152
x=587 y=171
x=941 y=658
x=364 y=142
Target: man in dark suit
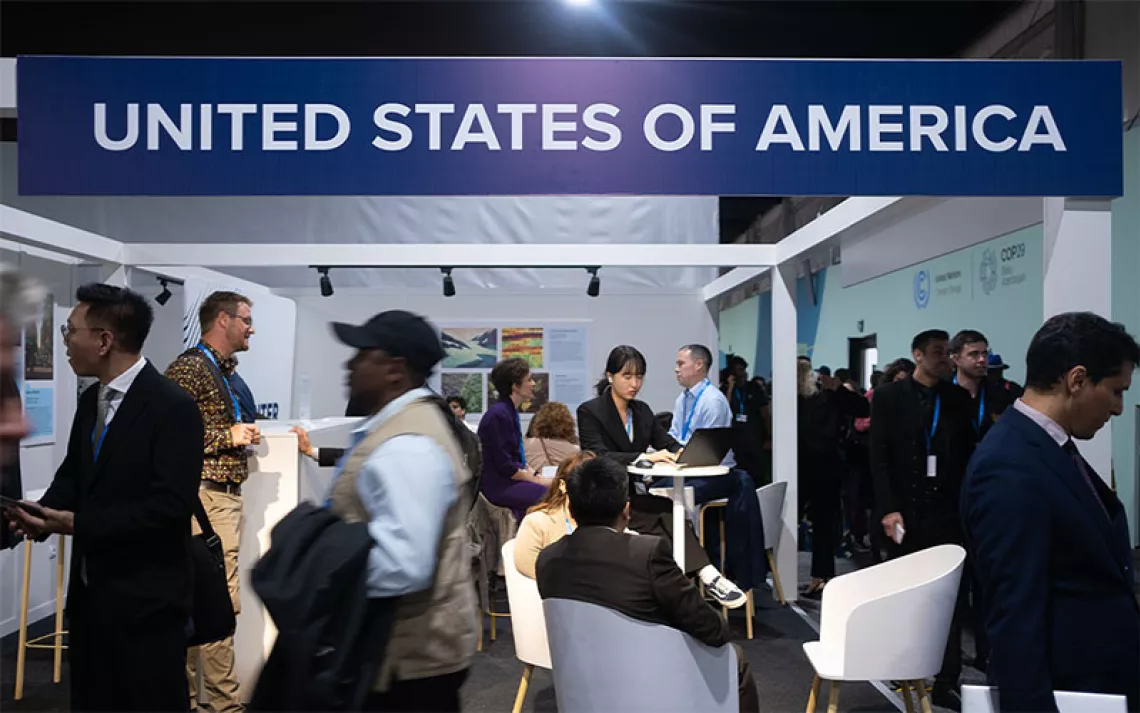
x=1049 y=537
x=632 y=574
x=125 y=491
x=921 y=440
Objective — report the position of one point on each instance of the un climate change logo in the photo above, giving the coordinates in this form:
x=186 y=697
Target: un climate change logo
x=988 y=270
x=922 y=289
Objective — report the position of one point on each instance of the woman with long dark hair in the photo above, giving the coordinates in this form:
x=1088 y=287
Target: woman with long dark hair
x=616 y=425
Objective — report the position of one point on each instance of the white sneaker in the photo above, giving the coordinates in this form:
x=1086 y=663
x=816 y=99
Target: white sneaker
x=727 y=593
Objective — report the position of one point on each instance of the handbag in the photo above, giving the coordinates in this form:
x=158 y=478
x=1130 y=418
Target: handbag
x=212 y=615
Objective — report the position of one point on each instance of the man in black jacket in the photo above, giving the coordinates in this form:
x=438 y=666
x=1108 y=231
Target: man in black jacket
x=125 y=490
x=632 y=574
x=921 y=441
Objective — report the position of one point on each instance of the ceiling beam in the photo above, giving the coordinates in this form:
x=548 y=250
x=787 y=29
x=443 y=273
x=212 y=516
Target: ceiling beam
x=31 y=229
x=448 y=255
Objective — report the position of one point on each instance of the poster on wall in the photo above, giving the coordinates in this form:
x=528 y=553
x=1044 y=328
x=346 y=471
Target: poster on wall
x=37 y=373
x=555 y=351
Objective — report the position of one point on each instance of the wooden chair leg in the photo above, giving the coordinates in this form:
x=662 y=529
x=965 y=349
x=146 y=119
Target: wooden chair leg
x=904 y=691
x=923 y=696
x=748 y=614
x=493 y=617
x=723 y=558
x=776 y=578
x=479 y=646
x=22 y=651
x=59 y=595
x=833 y=698
x=524 y=684
x=814 y=695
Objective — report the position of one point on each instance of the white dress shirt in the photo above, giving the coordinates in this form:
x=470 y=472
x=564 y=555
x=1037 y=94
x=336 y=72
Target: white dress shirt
x=120 y=385
x=1051 y=427
x=407 y=487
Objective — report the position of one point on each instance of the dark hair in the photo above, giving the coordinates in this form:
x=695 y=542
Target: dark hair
x=555 y=497
x=732 y=360
x=122 y=312
x=507 y=373
x=1078 y=339
x=824 y=370
x=965 y=337
x=457 y=400
x=598 y=491
x=216 y=303
x=843 y=375
x=700 y=352
x=893 y=369
x=876 y=378
x=923 y=339
x=619 y=357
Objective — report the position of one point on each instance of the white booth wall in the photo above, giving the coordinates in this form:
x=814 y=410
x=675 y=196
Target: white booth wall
x=657 y=324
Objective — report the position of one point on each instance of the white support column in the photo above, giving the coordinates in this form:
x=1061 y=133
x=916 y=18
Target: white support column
x=784 y=436
x=1078 y=278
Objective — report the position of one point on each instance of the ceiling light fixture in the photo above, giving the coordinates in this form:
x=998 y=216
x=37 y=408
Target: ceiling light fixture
x=326 y=283
x=448 y=283
x=166 y=294
x=595 y=287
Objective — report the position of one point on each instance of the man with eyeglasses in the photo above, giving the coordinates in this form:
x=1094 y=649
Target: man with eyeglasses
x=206 y=372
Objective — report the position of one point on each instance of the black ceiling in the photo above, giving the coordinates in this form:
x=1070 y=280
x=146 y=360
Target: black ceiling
x=666 y=28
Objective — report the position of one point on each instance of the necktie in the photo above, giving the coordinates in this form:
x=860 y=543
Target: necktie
x=101 y=409
x=1071 y=449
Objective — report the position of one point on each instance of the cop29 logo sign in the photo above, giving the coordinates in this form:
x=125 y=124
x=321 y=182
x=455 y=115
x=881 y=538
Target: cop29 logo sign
x=922 y=289
x=988 y=270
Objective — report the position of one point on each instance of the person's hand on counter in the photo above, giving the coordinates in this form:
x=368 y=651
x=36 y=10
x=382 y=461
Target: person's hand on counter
x=303 y=443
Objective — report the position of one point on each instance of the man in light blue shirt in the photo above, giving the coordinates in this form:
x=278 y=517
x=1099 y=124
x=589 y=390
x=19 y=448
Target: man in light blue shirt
x=702 y=405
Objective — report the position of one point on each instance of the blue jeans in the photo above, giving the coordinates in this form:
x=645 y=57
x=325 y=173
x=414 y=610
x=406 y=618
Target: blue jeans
x=744 y=526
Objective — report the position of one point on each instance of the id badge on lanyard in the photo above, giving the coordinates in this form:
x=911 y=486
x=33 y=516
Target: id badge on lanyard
x=931 y=459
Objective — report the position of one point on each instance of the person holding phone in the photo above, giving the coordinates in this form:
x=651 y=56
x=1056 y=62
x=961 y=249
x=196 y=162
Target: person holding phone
x=125 y=491
x=206 y=372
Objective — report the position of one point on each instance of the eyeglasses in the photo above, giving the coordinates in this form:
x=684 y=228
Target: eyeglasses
x=248 y=320
x=66 y=330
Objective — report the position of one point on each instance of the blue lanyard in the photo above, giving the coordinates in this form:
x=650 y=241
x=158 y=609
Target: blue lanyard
x=237 y=407
x=739 y=399
x=569 y=529
x=933 y=424
x=99 y=444
x=692 y=410
x=629 y=423
x=981 y=405
x=522 y=445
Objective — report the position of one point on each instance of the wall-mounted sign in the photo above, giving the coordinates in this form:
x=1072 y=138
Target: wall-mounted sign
x=206 y=126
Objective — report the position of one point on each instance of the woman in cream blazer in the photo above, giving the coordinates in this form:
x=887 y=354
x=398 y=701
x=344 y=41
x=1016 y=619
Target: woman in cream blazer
x=549 y=520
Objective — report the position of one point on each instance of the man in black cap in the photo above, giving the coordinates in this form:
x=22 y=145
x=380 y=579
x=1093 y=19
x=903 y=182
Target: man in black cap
x=405 y=474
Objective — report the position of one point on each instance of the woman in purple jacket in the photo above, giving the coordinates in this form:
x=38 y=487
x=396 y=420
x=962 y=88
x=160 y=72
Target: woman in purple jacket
x=507 y=481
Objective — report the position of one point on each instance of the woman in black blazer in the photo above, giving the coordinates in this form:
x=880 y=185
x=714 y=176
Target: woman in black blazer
x=618 y=426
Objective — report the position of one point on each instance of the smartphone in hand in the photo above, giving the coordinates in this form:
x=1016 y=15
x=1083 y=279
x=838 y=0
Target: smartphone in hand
x=30 y=508
x=900 y=533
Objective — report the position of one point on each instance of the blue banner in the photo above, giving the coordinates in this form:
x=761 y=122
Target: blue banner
x=197 y=126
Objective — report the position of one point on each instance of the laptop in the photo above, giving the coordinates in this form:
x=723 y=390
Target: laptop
x=707 y=447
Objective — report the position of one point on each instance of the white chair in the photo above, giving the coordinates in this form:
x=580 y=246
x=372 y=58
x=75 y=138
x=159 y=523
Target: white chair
x=605 y=661
x=528 y=625
x=772 y=511
x=984 y=699
x=887 y=622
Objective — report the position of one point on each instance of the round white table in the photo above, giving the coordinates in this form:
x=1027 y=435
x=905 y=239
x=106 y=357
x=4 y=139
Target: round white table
x=667 y=470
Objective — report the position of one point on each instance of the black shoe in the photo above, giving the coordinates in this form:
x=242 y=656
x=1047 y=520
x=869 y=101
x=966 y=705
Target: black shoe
x=946 y=697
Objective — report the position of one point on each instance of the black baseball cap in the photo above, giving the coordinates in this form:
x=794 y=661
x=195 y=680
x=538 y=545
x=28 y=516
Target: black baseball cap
x=397 y=333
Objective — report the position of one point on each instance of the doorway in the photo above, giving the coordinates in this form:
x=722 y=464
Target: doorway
x=863 y=358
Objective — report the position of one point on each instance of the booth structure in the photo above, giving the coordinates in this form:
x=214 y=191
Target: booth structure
x=979 y=138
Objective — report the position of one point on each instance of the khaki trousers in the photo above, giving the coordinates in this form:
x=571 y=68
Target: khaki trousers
x=220 y=692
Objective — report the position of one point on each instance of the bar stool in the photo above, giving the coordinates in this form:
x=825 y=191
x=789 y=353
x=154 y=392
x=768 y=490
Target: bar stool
x=57 y=635
x=723 y=503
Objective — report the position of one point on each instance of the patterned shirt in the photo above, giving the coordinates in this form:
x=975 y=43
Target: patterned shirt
x=223 y=462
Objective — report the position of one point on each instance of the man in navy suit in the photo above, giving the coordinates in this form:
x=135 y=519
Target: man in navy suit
x=1049 y=537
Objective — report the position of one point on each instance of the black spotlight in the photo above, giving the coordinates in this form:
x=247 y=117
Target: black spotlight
x=595 y=287
x=326 y=283
x=448 y=283
x=165 y=295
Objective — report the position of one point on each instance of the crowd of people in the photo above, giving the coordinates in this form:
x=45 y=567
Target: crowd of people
x=940 y=450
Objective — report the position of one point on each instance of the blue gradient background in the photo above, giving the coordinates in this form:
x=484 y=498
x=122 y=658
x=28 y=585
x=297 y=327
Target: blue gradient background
x=58 y=153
